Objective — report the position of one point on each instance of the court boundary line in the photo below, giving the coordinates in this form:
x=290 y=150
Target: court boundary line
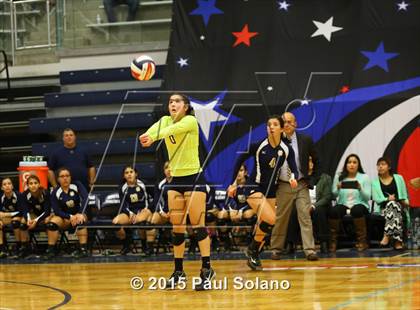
x=67 y=295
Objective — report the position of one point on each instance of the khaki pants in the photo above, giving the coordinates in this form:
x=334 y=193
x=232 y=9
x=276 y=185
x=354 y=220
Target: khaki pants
x=286 y=197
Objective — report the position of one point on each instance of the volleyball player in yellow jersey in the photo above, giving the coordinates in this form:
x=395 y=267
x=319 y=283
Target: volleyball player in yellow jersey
x=187 y=192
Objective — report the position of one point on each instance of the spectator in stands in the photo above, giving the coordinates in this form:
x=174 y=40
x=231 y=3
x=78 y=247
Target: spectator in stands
x=73 y=158
x=134 y=209
x=10 y=213
x=36 y=208
x=321 y=197
x=68 y=201
x=353 y=189
x=390 y=195
x=109 y=5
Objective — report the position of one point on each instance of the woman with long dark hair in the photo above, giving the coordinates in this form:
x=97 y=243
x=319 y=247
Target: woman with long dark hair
x=269 y=155
x=390 y=195
x=352 y=189
x=187 y=192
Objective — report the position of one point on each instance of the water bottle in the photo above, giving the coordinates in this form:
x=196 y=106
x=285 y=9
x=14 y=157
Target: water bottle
x=98 y=19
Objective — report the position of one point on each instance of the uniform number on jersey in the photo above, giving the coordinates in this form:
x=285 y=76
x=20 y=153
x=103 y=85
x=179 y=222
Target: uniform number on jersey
x=272 y=163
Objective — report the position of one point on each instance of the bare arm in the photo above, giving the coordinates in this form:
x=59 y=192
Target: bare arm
x=51 y=178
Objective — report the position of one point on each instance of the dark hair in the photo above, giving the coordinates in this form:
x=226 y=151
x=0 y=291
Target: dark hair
x=62 y=169
x=35 y=177
x=277 y=117
x=190 y=110
x=6 y=178
x=344 y=173
x=69 y=129
x=126 y=167
x=387 y=160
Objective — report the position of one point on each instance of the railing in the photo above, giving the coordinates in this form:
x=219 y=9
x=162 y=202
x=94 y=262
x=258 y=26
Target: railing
x=6 y=68
x=80 y=24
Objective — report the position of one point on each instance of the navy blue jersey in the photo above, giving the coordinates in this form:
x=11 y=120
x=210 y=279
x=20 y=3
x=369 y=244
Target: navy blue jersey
x=133 y=198
x=40 y=206
x=239 y=201
x=12 y=204
x=66 y=204
x=268 y=161
x=210 y=198
x=74 y=159
x=161 y=197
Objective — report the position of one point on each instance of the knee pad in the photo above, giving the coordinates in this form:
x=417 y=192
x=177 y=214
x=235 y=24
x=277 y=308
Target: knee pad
x=265 y=227
x=15 y=224
x=200 y=233
x=178 y=239
x=23 y=226
x=210 y=218
x=52 y=226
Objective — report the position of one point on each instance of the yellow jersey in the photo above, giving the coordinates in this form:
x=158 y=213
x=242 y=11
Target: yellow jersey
x=182 y=141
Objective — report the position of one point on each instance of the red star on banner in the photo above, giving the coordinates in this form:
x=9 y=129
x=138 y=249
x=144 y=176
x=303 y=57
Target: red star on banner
x=244 y=36
x=344 y=89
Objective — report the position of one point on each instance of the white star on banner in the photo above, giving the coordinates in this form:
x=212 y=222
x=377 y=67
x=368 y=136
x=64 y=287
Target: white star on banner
x=283 y=5
x=403 y=6
x=325 y=29
x=182 y=62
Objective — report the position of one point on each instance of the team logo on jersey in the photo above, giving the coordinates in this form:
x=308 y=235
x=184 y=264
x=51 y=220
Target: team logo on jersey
x=70 y=203
x=241 y=198
x=280 y=153
x=134 y=198
x=71 y=194
x=38 y=207
x=137 y=189
x=13 y=200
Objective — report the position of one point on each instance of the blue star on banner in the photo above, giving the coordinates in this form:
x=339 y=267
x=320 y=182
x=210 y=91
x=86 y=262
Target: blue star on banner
x=206 y=9
x=209 y=115
x=378 y=58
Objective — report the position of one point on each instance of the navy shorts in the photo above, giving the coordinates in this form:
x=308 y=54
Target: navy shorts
x=189 y=183
x=267 y=191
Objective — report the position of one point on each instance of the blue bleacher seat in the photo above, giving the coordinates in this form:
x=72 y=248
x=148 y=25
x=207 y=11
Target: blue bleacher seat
x=102 y=75
x=94 y=147
x=73 y=99
x=87 y=123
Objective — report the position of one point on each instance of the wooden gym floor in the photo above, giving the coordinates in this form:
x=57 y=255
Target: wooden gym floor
x=391 y=282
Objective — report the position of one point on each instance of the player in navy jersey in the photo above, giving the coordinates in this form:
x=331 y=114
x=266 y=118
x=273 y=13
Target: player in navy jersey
x=134 y=208
x=36 y=208
x=10 y=213
x=160 y=201
x=68 y=201
x=270 y=154
x=160 y=215
x=239 y=210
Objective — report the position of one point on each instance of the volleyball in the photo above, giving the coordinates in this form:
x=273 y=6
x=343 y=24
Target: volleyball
x=143 y=68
